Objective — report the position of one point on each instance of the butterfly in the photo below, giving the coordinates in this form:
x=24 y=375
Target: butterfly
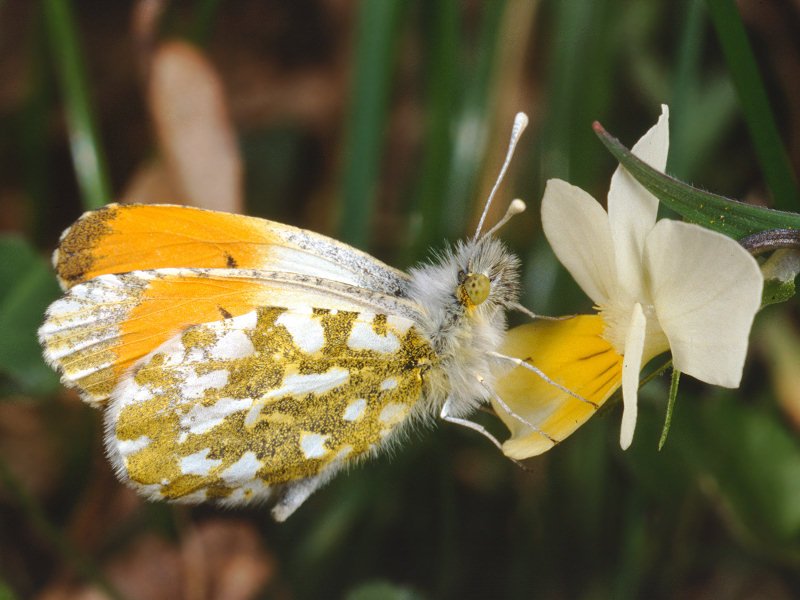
x=237 y=359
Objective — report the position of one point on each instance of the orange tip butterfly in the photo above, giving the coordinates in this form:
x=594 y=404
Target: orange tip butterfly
x=239 y=359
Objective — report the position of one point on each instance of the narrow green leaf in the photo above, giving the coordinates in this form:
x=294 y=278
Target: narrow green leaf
x=755 y=105
x=470 y=126
x=34 y=136
x=27 y=287
x=673 y=394
x=442 y=36
x=730 y=217
x=376 y=41
x=87 y=153
x=702 y=99
x=572 y=64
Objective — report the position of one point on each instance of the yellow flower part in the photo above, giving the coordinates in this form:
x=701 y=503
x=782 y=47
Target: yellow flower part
x=571 y=352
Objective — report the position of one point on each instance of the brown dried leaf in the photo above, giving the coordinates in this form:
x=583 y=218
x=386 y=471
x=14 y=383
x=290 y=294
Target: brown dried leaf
x=221 y=559
x=27 y=447
x=154 y=182
x=226 y=558
x=194 y=130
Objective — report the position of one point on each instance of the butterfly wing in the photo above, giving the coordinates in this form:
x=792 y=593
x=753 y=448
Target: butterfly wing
x=122 y=238
x=102 y=327
x=275 y=397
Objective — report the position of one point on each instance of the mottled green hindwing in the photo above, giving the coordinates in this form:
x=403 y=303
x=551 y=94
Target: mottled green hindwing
x=230 y=408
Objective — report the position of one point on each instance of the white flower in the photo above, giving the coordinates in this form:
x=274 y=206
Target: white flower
x=658 y=285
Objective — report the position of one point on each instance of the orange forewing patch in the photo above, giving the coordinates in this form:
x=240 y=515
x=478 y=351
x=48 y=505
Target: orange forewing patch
x=120 y=239
x=169 y=306
x=161 y=311
x=157 y=307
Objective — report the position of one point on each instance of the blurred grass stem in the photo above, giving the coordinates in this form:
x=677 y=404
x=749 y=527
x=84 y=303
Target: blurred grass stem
x=87 y=153
x=755 y=105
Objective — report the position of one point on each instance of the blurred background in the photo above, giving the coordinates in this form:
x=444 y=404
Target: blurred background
x=384 y=124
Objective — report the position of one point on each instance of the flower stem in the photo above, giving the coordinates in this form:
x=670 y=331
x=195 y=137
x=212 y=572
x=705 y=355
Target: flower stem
x=773 y=239
x=673 y=394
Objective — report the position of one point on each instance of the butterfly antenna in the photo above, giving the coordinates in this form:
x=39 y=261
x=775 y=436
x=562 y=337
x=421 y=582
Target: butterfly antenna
x=520 y=122
x=517 y=206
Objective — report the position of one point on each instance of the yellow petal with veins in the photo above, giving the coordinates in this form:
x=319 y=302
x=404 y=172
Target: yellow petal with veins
x=571 y=352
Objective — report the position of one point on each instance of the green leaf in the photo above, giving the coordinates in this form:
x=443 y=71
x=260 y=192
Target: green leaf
x=27 y=287
x=755 y=105
x=376 y=43
x=5 y=592
x=730 y=217
x=469 y=127
x=87 y=153
x=443 y=37
x=776 y=291
x=751 y=461
x=381 y=590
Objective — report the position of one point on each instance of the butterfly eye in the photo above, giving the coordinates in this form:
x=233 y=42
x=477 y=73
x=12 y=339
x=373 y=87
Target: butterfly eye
x=476 y=287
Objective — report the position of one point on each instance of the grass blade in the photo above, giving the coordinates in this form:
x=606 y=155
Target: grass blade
x=87 y=153
x=374 y=63
x=755 y=105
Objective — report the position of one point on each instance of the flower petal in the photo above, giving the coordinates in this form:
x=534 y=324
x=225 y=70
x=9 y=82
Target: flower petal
x=706 y=289
x=632 y=209
x=577 y=228
x=571 y=352
x=631 y=366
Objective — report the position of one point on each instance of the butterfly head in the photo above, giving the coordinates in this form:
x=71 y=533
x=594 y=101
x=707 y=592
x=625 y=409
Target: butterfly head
x=475 y=285
x=487 y=276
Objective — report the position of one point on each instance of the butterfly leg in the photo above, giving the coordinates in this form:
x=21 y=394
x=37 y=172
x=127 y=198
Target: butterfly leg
x=545 y=378
x=446 y=416
x=519 y=307
x=506 y=408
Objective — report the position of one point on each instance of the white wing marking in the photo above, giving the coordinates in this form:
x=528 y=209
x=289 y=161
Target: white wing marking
x=389 y=384
x=306 y=331
x=242 y=470
x=298 y=385
x=363 y=337
x=354 y=410
x=392 y=413
x=313 y=445
x=195 y=385
x=201 y=418
x=198 y=463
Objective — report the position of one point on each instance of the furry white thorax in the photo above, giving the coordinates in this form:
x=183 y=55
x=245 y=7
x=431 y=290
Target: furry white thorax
x=463 y=337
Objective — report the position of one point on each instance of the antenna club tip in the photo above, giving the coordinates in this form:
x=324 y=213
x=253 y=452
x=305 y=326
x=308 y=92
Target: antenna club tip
x=521 y=120
x=517 y=206
x=598 y=128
